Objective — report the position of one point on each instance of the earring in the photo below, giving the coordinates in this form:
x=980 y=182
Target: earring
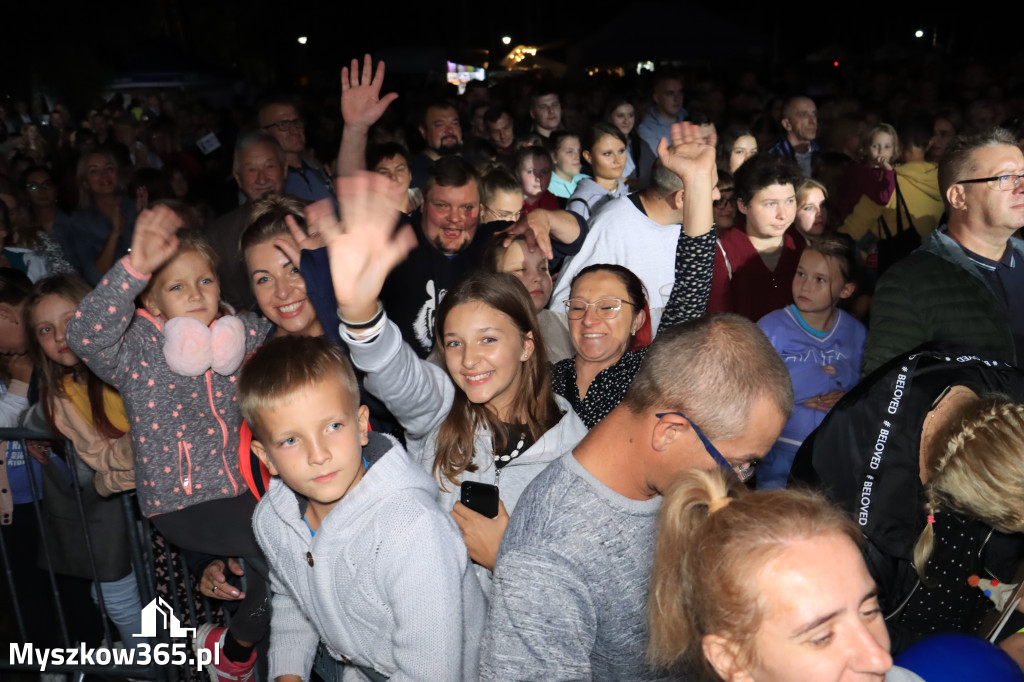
x=526 y=356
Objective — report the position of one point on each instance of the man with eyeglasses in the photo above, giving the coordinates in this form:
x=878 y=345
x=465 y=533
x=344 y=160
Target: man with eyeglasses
x=305 y=179
x=965 y=285
x=571 y=579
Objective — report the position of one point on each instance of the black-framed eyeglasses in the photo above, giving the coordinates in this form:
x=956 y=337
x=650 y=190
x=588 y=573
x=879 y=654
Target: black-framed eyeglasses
x=36 y=186
x=724 y=200
x=287 y=125
x=605 y=308
x=1006 y=182
x=744 y=472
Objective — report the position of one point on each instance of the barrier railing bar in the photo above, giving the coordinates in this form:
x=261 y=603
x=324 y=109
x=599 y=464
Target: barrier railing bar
x=11 y=586
x=98 y=584
x=38 y=509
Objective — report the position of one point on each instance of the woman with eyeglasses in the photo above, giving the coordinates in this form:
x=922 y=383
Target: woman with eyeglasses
x=610 y=328
x=41 y=189
x=29 y=245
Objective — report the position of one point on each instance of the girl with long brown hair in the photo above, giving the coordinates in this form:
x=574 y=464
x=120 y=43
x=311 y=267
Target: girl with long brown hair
x=492 y=417
x=90 y=414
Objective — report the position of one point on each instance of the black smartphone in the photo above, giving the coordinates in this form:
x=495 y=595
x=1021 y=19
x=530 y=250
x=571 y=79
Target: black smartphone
x=480 y=497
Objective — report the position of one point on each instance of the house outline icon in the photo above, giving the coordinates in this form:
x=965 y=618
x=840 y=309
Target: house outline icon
x=159 y=610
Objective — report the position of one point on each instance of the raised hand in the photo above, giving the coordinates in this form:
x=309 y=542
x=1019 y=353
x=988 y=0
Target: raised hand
x=365 y=247
x=154 y=241
x=361 y=103
x=692 y=157
x=310 y=241
x=691 y=153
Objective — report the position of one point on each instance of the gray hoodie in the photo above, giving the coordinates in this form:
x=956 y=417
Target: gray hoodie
x=385 y=582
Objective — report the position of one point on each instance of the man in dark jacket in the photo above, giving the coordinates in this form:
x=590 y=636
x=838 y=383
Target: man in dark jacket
x=964 y=284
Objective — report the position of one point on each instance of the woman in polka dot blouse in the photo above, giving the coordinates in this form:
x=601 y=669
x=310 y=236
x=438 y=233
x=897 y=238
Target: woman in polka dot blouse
x=925 y=455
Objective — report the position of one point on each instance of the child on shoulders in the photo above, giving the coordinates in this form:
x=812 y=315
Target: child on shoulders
x=362 y=557
x=820 y=344
x=175 y=361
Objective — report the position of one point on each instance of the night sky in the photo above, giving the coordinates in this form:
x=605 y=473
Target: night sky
x=75 y=50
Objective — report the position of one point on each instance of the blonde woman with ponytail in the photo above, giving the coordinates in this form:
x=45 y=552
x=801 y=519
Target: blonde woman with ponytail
x=926 y=455
x=762 y=587
x=974 y=468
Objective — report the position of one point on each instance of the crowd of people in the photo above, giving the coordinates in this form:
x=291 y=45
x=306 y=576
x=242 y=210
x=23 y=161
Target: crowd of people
x=558 y=385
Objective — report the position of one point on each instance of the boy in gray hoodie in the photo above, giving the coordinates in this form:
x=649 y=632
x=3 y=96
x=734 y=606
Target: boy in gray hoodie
x=361 y=555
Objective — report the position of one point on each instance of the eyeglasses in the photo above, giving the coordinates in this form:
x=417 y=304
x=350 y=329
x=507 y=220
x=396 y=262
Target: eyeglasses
x=511 y=216
x=285 y=126
x=36 y=186
x=605 y=308
x=744 y=472
x=724 y=201
x=1006 y=182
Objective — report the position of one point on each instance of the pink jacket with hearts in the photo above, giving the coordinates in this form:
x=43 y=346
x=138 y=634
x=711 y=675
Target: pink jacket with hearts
x=184 y=429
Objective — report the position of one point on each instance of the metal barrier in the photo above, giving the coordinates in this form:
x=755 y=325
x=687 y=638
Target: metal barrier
x=144 y=564
x=182 y=600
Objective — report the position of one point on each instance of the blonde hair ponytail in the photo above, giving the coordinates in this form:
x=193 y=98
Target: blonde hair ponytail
x=684 y=509
x=979 y=467
x=926 y=540
x=712 y=538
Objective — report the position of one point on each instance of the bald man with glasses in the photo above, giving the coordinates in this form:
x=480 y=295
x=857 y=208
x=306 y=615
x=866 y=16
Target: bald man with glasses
x=306 y=179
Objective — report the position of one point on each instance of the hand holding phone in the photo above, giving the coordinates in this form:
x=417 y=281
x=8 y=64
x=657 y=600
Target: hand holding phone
x=482 y=518
x=480 y=497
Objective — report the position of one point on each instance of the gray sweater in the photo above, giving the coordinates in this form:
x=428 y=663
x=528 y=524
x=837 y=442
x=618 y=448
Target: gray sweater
x=590 y=196
x=570 y=586
x=387 y=587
